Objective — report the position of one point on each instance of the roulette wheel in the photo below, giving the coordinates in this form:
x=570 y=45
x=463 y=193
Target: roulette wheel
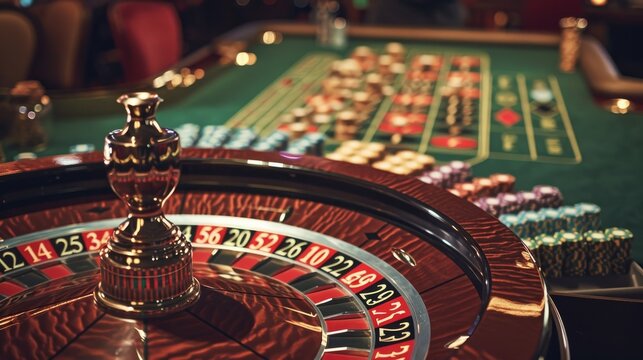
x=261 y=255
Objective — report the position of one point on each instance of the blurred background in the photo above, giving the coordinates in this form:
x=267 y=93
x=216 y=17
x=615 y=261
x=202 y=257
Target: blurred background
x=72 y=44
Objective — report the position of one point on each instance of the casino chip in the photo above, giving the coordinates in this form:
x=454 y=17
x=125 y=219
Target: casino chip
x=621 y=240
x=81 y=148
x=25 y=156
x=551 y=255
x=601 y=253
x=574 y=252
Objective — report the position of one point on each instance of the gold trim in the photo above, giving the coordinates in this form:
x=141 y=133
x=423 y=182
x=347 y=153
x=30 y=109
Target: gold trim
x=484 y=115
x=272 y=94
x=526 y=109
x=553 y=82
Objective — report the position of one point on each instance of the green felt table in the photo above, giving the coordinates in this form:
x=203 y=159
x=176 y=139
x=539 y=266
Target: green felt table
x=600 y=161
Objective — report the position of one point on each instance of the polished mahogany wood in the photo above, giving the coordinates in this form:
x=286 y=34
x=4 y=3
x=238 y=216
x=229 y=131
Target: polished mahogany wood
x=516 y=305
x=17 y=339
x=455 y=313
x=513 y=293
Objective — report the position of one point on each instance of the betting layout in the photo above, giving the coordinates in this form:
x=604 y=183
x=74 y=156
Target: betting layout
x=364 y=304
x=413 y=97
x=531 y=122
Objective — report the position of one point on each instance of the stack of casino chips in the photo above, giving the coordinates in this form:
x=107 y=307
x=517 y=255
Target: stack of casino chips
x=448 y=175
x=590 y=253
x=213 y=136
x=353 y=89
x=600 y=251
x=548 y=196
x=406 y=162
x=403 y=162
x=570 y=42
x=609 y=251
x=494 y=194
x=276 y=141
x=311 y=144
x=581 y=217
x=479 y=187
x=621 y=240
x=347 y=125
x=188 y=134
x=237 y=140
x=575 y=252
x=358 y=152
x=550 y=255
x=507 y=203
x=590 y=216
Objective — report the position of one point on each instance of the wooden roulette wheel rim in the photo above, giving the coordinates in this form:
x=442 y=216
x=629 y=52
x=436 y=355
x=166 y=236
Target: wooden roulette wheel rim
x=514 y=318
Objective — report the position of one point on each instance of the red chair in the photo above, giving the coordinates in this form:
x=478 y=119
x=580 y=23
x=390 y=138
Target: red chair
x=544 y=15
x=19 y=42
x=148 y=37
x=61 y=54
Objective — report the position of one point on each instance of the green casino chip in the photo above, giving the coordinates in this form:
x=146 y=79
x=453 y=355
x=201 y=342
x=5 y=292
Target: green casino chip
x=550 y=255
x=570 y=218
x=533 y=223
x=574 y=252
x=508 y=219
x=515 y=223
x=591 y=216
x=621 y=244
x=552 y=222
x=599 y=252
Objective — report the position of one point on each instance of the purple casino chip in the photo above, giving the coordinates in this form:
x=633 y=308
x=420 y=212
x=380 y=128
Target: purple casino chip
x=449 y=175
x=426 y=179
x=528 y=200
x=462 y=169
x=493 y=206
x=509 y=203
x=481 y=203
x=436 y=177
x=549 y=196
